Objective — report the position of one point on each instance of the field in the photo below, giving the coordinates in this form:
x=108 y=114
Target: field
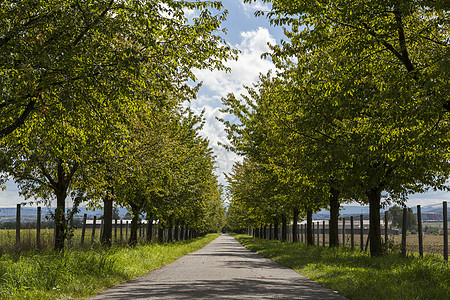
x=28 y=239
x=356 y=275
x=431 y=243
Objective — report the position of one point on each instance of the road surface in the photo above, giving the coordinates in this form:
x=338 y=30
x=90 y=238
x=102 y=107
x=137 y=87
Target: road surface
x=224 y=269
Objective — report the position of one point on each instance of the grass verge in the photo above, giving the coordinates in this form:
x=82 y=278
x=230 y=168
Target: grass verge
x=79 y=273
x=356 y=275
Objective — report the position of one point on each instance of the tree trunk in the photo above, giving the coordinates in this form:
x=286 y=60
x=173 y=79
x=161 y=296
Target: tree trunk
x=60 y=220
x=309 y=233
x=275 y=229
x=283 y=228
x=294 y=226
x=183 y=232
x=374 y=197
x=107 y=220
x=170 y=233
x=134 y=226
x=334 y=218
x=160 y=233
x=176 y=232
x=149 y=227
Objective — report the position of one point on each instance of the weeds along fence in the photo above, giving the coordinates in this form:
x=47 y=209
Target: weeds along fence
x=89 y=233
x=354 y=233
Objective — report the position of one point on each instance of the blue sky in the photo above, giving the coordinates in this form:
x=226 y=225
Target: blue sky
x=250 y=35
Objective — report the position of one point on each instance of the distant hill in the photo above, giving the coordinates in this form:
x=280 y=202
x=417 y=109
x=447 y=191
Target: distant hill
x=364 y=210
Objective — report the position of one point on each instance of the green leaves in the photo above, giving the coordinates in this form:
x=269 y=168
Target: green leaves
x=55 y=48
x=90 y=102
x=358 y=104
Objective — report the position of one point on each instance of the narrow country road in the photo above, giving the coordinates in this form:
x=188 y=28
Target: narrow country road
x=223 y=269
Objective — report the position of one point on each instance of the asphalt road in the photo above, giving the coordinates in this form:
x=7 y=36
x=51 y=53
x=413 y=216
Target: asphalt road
x=223 y=269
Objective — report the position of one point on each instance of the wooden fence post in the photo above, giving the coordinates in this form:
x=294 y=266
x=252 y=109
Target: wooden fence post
x=93 y=229
x=149 y=230
x=343 y=232
x=121 y=231
x=160 y=234
x=38 y=228
x=115 y=231
x=419 y=227
x=318 y=233
x=386 y=235
x=352 y=233
x=18 y=225
x=445 y=211
x=323 y=233
x=312 y=231
x=83 y=229
x=301 y=233
x=404 y=222
x=361 y=231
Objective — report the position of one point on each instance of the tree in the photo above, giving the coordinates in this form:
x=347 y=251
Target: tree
x=412 y=35
x=74 y=74
x=52 y=52
x=395 y=216
x=349 y=60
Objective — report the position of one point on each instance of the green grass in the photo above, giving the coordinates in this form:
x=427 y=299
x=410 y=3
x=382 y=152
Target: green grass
x=356 y=275
x=79 y=273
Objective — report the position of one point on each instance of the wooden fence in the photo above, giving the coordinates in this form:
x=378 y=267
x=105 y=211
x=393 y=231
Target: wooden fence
x=354 y=233
x=92 y=229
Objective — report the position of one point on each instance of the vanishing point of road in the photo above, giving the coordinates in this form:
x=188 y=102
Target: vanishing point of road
x=223 y=269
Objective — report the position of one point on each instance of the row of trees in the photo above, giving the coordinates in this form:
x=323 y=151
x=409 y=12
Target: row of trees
x=358 y=110
x=90 y=106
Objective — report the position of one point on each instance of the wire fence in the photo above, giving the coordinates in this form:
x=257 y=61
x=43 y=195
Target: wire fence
x=354 y=233
x=89 y=233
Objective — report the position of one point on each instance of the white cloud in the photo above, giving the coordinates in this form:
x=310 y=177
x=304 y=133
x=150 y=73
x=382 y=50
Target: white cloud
x=190 y=13
x=428 y=198
x=215 y=132
x=216 y=85
x=251 y=8
x=245 y=70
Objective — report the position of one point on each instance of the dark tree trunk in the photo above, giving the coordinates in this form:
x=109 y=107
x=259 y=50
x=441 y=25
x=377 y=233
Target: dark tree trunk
x=170 y=232
x=183 y=232
x=60 y=220
x=160 y=233
x=275 y=229
x=309 y=233
x=107 y=220
x=283 y=228
x=374 y=197
x=334 y=218
x=149 y=227
x=134 y=226
x=294 y=226
x=176 y=232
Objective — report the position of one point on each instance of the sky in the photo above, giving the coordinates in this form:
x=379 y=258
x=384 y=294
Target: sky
x=250 y=35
